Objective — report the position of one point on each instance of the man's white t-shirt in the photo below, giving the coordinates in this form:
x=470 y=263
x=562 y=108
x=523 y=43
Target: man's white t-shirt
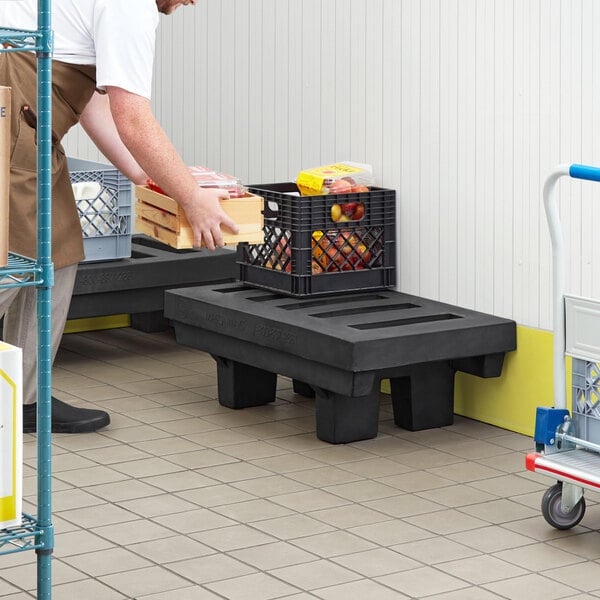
x=118 y=36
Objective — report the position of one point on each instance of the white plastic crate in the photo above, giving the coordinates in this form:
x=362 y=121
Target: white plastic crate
x=104 y=205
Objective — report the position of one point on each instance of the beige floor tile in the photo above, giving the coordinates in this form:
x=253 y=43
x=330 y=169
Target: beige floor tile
x=190 y=426
x=481 y=569
x=338 y=454
x=188 y=593
x=317 y=574
x=199 y=459
x=219 y=437
x=66 y=461
x=65 y=500
x=500 y=511
x=351 y=515
x=273 y=555
x=586 y=545
x=491 y=539
x=253 y=450
x=252 y=510
x=362 y=491
x=123 y=490
x=403 y=505
x=193 y=521
x=97 y=516
x=146 y=386
x=581 y=577
x=88 y=589
x=78 y=542
x=334 y=543
x=171 y=549
x=463 y=472
x=216 y=495
x=470 y=593
x=159 y=414
x=114 y=454
x=324 y=476
x=359 y=589
x=538 y=588
x=139 y=433
x=155 y=506
x=422 y=582
x=508 y=485
x=234 y=537
x=271 y=431
x=426 y=458
x=147 y=467
x=385 y=445
x=265 y=487
x=234 y=471
x=133 y=532
x=25 y=576
x=214 y=567
x=445 y=522
x=144 y=581
x=179 y=481
x=105 y=562
x=434 y=550
x=376 y=562
x=457 y=495
x=257 y=586
x=539 y=557
x=95 y=475
x=416 y=481
x=293 y=526
x=310 y=500
x=287 y=463
x=390 y=533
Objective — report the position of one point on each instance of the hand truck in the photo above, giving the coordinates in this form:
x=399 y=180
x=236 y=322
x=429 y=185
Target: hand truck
x=565 y=444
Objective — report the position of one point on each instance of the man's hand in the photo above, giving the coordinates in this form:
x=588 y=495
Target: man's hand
x=206 y=216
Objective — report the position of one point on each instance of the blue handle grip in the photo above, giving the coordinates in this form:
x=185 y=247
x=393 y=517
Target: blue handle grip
x=584 y=172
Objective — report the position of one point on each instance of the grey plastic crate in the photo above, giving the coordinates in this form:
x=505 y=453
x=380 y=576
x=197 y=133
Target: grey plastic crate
x=586 y=399
x=106 y=216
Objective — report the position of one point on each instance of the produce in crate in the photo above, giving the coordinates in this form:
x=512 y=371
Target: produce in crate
x=343 y=250
x=340 y=178
x=350 y=211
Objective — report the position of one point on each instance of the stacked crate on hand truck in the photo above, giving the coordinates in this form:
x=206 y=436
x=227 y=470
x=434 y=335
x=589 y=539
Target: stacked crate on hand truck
x=568 y=445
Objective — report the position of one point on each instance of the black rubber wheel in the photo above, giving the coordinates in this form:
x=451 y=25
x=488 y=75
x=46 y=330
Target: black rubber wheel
x=553 y=513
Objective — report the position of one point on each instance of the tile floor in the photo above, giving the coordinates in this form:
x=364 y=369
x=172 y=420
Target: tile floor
x=181 y=499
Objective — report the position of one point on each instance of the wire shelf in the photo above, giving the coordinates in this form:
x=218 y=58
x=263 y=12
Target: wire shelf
x=20 y=538
x=19 y=271
x=17 y=40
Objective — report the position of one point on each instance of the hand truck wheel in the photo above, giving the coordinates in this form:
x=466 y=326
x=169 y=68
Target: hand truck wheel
x=553 y=513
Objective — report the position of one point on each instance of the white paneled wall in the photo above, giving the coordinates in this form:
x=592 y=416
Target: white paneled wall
x=462 y=106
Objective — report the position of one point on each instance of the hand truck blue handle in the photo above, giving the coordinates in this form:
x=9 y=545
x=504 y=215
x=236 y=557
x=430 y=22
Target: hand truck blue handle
x=584 y=172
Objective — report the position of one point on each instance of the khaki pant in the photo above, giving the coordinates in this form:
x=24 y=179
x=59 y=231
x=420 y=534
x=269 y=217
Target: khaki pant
x=19 y=307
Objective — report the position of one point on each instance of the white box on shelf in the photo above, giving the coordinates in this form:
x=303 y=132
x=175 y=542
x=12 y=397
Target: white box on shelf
x=11 y=435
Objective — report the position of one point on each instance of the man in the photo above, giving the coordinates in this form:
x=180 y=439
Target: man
x=102 y=71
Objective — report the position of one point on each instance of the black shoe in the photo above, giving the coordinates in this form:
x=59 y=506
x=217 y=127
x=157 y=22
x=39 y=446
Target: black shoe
x=66 y=418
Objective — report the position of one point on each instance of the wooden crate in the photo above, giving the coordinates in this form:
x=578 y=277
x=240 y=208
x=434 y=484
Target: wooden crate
x=160 y=217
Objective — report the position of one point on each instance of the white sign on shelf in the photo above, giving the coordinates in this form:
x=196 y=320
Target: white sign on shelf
x=11 y=435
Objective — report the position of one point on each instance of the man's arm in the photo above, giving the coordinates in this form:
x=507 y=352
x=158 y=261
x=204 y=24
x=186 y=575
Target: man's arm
x=149 y=147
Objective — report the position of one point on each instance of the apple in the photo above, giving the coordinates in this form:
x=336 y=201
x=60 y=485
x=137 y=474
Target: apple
x=340 y=186
x=360 y=188
x=336 y=213
x=349 y=208
x=359 y=213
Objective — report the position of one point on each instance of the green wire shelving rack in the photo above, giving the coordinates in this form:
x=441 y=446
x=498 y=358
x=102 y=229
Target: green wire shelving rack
x=37 y=533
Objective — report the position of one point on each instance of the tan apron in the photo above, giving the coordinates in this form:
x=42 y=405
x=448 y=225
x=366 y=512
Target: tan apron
x=72 y=87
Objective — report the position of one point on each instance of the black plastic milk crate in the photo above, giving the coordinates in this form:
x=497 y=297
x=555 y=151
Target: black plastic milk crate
x=308 y=251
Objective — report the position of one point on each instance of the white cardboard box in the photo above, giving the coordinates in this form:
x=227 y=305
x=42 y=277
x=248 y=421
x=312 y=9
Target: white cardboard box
x=11 y=435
